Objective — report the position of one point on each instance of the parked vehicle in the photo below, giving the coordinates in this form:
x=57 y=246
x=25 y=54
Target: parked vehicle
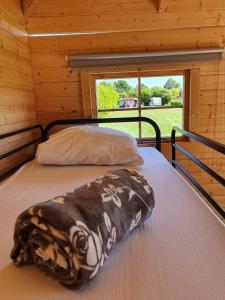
x=127 y=102
x=155 y=101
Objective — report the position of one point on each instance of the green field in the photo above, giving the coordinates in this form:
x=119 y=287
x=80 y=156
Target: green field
x=165 y=118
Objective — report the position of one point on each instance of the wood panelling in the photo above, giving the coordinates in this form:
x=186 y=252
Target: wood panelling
x=41 y=75
x=127 y=26
x=17 y=104
x=68 y=7
x=127 y=22
x=29 y=6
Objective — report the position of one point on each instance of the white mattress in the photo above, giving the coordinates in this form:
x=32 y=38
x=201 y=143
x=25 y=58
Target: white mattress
x=179 y=253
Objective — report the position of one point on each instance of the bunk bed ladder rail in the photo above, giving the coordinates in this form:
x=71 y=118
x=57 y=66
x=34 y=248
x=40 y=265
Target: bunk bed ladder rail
x=207 y=142
x=11 y=152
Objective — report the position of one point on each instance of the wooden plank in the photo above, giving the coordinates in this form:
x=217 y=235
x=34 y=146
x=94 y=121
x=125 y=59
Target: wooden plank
x=212 y=4
x=57 y=89
x=17 y=143
x=178 y=6
x=139 y=7
x=13 y=96
x=14 y=62
x=9 y=143
x=150 y=40
x=202 y=178
x=192 y=167
x=211 y=97
x=9 y=23
x=63 y=104
x=220 y=136
x=128 y=22
x=11 y=127
x=50 y=10
x=17 y=117
x=209 y=111
x=12 y=78
x=46 y=117
x=212 y=82
x=68 y=7
x=55 y=75
x=29 y=6
x=215 y=189
x=12 y=9
x=211 y=69
x=90 y=7
x=49 y=60
x=13 y=45
x=86 y=95
x=15 y=159
x=126 y=39
x=206 y=126
x=194 y=98
x=161 y=5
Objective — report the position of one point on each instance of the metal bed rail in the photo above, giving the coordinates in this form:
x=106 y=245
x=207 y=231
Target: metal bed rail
x=107 y=120
x=45 y=132
x=14 y=151
x=207 y=142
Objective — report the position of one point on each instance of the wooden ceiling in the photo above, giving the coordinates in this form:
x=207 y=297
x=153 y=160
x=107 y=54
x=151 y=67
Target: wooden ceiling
x=32 y=8
x=29 y=6
x=107 y=16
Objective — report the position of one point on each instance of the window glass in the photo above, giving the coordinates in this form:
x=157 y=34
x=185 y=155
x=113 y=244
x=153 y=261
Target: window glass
x=160 y=98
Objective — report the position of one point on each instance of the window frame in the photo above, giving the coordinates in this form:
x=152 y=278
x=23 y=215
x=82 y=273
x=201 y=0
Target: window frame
x=191 y=88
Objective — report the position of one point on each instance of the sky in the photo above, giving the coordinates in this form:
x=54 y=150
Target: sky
x=149 y=81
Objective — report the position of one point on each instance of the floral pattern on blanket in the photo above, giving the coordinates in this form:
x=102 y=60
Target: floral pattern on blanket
x=71 y=236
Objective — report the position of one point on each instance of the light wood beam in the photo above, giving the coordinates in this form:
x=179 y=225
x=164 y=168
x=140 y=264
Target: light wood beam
x=29 y=6
x=161 y=5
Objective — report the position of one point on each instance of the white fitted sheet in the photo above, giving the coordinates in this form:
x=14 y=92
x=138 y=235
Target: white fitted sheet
x=179 y=253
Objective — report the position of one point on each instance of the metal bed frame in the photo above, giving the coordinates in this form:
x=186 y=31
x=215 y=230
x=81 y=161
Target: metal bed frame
x=207 y=142
x=14 y=151
x=44 y=134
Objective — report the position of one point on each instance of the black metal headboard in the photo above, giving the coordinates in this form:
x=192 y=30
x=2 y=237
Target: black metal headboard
x=45 y=132
x=207 y=142
x=107 y=120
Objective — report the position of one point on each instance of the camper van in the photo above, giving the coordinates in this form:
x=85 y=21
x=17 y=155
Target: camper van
x=155 y=101
x=127 y=102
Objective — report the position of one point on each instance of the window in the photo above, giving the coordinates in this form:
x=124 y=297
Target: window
x=162 y=98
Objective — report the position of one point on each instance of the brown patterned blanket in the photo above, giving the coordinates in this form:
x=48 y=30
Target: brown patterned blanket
x=70 y=236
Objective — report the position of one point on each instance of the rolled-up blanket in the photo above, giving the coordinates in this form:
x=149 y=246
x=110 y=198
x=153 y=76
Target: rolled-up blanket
x=70 y=236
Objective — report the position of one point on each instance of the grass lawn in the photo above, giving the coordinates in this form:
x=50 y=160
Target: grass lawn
x=165 y=118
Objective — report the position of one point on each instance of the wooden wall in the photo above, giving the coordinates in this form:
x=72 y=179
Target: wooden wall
x=17 y=105
x=103 y=26
x=125 y=26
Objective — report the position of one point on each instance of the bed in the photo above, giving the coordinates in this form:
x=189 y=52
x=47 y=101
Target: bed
x=177 y=254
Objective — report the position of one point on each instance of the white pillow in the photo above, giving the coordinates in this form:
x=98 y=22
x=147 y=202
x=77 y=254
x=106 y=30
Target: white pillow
x=89 y=145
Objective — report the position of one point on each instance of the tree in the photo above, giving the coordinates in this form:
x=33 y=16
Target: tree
x=175 y=92
x=171 y=83
x=107 y=96
x=164 y=94
x=122 y=87
x=133 y=92
x=146 y=94
x=156 y=91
